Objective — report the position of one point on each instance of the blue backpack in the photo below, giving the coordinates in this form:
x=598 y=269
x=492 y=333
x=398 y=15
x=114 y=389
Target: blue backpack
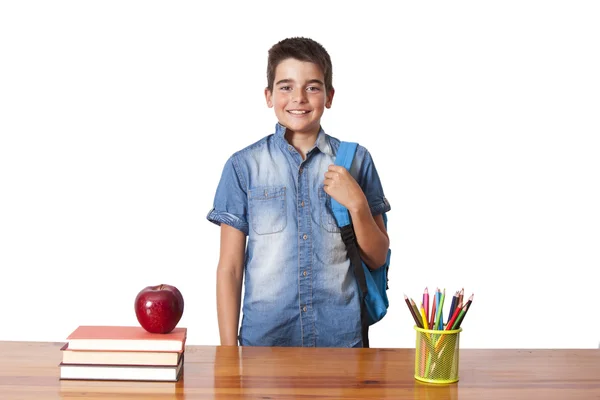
x=373 y=284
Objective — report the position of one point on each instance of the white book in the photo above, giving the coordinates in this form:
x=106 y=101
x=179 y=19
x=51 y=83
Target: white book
x=121 y=372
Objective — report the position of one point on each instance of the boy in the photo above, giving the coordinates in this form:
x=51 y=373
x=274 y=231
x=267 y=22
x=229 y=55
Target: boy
x=299 y=286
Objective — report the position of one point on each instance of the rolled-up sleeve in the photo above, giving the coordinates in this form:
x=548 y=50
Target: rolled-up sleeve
x=372 y=187
x=230 y=204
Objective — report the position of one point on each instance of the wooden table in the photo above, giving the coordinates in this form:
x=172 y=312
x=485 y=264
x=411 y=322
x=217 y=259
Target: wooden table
x=29 y=370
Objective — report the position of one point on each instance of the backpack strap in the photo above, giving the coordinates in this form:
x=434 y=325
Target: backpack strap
x=344 y=157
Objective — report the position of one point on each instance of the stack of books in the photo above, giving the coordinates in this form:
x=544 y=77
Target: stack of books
x=123 y=353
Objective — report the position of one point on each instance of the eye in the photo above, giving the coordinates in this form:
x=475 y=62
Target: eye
x=313 y=89
x=285 y=88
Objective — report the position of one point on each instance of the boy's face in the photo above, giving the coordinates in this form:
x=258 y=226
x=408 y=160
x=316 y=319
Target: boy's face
x=299 y=96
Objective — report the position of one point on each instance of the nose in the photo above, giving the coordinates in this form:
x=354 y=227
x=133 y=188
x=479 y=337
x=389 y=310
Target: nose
x=299 y=95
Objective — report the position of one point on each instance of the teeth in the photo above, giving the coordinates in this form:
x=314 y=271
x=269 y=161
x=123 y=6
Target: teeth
x=297 y=112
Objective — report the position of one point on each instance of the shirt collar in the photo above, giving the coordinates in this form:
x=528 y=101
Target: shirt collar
x=322 y=143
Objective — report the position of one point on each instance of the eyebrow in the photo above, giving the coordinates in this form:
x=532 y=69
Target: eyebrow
x=291 y=81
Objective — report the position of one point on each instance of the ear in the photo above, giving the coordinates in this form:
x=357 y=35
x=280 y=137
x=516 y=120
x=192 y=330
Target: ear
x=269 y=98
x=329 y=98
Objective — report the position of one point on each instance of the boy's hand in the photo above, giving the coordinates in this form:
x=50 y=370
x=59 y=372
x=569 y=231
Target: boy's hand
x=340 y=185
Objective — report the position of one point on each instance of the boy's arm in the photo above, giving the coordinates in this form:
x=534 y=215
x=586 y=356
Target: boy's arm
x=230 y=272
x=371 y=235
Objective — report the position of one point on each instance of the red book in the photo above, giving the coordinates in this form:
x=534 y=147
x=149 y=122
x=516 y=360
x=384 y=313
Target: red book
x=125 y=338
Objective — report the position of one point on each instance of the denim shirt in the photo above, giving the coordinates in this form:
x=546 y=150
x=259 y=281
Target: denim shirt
x=299 y=287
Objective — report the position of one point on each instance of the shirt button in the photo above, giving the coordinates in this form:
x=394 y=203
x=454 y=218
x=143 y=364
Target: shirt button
x=304 y=273
x=302 y=204
x=305 y=237
x=304 y=308
x=290 y=148
x=300 y=170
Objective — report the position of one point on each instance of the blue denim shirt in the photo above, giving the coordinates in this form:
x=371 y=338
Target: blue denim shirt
x=299 y=287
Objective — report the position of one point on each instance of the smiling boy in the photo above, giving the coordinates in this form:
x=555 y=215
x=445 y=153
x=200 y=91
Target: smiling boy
x=299 y=286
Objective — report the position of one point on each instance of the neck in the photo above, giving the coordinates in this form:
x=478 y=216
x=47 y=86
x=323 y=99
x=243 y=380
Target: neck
x=302 y=142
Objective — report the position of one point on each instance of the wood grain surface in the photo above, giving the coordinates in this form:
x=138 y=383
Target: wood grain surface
x=29 y=370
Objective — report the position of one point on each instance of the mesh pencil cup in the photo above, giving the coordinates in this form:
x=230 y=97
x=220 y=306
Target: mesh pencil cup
x=436 y=355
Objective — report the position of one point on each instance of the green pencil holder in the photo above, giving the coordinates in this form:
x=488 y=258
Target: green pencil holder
x=437 y=355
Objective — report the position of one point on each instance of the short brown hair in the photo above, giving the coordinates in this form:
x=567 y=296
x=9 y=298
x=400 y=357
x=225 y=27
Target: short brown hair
x=302 y=49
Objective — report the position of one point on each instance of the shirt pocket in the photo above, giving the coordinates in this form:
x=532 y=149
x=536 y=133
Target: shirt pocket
x=267 y=209
x=328 y=221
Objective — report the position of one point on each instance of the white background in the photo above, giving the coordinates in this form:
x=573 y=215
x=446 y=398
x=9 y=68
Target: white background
x=116 y=119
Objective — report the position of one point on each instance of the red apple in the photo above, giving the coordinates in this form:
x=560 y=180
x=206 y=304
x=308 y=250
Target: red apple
x=159 y=308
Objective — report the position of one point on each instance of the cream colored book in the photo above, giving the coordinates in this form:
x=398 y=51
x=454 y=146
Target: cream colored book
x=101 y=357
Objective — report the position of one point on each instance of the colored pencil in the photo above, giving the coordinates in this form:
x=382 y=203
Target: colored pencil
x=425 y=325
x=458 y=311
x=448 y=327
x=461 y=317
x=452 y=306
x=433 y=308
x=426 y=302
x=425 y=355
x=453 y=318
x=412 y=311
x=461 y=294
x=440 y=311
x=417 y=313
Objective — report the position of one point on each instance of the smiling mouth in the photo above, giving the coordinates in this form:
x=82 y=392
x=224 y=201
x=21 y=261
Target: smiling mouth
x=298 y=112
